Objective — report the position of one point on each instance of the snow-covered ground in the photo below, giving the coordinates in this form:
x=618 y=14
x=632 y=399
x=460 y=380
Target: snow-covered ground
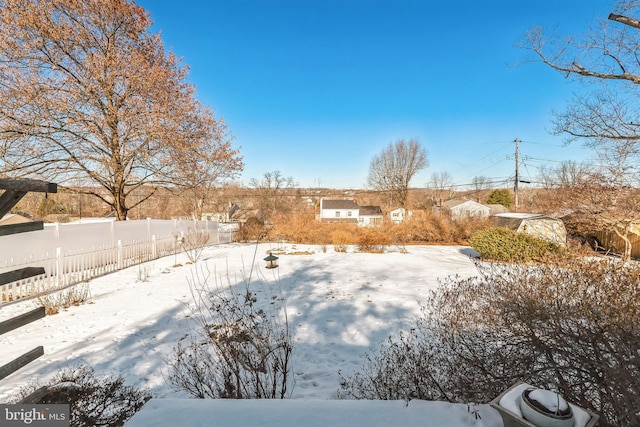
x=340 y=306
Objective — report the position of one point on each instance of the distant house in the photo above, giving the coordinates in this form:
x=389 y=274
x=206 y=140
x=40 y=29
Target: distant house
x=398 y=215
x=339 y=211
x=538 y=225
x=460 y=209
x=348 y=212
x=222 y=216
x=214 y=216
x=370 y=216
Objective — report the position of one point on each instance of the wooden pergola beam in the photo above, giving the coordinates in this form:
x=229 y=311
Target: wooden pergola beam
x=20 y=274
x=16 y=189
x=28 y=185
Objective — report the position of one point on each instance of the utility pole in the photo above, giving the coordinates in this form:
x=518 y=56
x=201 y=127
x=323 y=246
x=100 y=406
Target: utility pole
x=515 y=187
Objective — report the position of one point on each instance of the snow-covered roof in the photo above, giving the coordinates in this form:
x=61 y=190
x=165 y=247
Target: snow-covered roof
x=519 y=215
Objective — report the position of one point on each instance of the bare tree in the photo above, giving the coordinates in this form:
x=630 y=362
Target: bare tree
x=567 y=174
x=609 y=197
x=480 y=182
x=606 y=57
x=605 y=118
x=441 y=187
x=602 y=197
x=90 y=95
x=392 y=170
x=272 y=191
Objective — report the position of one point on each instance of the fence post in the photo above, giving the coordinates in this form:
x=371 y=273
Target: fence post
x=119 y=254
x=154 y=247
x=59 y=267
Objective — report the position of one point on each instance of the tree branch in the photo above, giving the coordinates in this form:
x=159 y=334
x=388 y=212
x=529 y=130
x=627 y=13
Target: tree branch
x=624 y=20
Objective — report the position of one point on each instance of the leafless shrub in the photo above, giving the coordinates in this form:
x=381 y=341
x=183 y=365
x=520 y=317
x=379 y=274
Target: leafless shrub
x=242 y=348
x=74 y=295
x=251 y=230
x=373 y=240
x=193 y=243
x=94 y=401
x=342 y=237
x=572 y=326
x=424 y=227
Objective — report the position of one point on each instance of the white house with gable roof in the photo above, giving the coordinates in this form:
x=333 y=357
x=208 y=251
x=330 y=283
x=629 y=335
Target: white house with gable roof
x=349 y=212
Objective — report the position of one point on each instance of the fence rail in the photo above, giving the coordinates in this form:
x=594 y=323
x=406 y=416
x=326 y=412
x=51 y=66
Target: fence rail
x=67 y=267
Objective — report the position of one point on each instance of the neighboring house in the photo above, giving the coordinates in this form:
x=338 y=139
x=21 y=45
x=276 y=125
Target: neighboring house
x=398 y=215
x=460 y=209
x=538 y=225
x=339 y=211
x=221 y=216
x=370 y=216
x=348 y=212
x=214 y=216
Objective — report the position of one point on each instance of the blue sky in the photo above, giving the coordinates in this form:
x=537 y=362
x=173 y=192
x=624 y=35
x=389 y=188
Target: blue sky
x=316 y=88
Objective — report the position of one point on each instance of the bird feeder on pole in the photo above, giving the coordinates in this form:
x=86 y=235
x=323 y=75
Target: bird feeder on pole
x=272 y=261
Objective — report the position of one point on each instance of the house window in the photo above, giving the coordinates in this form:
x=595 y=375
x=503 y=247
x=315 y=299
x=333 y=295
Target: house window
x=337 y=214
x=349 y=213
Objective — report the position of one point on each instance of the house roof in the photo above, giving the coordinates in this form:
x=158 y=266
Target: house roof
x=370 y=210
x=514 y=219
x=456 y=202
x=339 y=204
x=519 y=215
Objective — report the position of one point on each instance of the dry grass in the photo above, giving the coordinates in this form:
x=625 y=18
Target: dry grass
x=75 y=295
x=427 y=228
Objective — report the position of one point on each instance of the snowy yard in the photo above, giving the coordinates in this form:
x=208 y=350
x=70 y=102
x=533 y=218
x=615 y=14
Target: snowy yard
x=339 y=305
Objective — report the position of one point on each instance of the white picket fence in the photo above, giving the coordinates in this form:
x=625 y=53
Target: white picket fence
x=65 y=267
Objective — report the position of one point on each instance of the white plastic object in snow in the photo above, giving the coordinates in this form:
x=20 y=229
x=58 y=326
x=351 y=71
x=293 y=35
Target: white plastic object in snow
x=545 y=408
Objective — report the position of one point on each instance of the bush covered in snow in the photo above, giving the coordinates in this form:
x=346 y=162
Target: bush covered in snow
x=572 y=326
x=94 y=401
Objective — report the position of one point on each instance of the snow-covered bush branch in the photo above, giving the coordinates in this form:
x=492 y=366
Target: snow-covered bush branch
x=94 y=400
x=572 y=326
x=242 y=347
x=193 y=243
